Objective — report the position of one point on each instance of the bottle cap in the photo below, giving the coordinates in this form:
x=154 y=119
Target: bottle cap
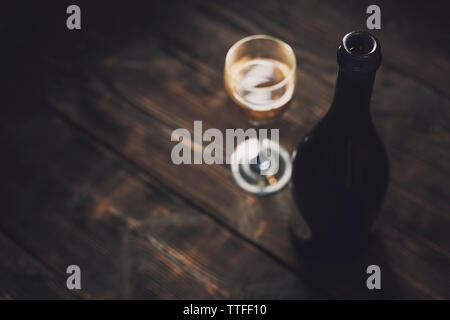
x=359 y=51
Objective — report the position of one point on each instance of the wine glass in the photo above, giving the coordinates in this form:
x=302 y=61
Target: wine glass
x=259 y=76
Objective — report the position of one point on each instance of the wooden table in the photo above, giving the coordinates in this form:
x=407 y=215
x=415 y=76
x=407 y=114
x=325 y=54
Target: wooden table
x=85 y=133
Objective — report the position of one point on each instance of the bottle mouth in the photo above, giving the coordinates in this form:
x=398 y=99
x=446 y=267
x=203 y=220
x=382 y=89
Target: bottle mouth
x=360 y=52
x=359 y=44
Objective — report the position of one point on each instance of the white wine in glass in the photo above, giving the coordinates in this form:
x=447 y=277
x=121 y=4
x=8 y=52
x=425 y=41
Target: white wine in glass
x=259 y=76
x=260 y=86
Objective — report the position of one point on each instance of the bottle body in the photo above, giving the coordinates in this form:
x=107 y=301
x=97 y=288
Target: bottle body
x=340 y=172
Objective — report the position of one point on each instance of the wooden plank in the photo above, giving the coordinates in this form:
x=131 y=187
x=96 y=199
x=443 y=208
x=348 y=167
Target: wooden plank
x=416 y=107
x=142 y=139
x=73 y=202
x=24 y=277
x=413 y=136
x=148 y=78
x=421 y=136
x=411 y=44
x=413 y=124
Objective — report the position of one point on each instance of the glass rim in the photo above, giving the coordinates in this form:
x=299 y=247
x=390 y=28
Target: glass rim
x=271 y=38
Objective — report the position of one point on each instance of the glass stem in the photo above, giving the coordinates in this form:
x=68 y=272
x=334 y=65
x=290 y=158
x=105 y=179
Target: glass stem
x=262 y=160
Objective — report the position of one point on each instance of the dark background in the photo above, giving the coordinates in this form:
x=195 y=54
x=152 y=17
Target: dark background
x=85 y=125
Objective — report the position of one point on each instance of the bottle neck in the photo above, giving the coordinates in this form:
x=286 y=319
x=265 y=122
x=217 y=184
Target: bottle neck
x=352 y=94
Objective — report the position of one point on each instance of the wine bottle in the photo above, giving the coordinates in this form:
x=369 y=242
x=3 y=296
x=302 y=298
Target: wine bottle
x=340 y=168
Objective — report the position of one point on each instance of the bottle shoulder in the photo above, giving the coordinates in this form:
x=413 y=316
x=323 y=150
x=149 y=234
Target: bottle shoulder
x=334 y=144
x=333 y=129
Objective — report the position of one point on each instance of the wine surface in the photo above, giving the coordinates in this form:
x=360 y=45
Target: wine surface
x=260 y=87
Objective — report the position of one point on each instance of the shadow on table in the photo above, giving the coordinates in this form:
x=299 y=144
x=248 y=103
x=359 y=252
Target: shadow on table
x=346 y=278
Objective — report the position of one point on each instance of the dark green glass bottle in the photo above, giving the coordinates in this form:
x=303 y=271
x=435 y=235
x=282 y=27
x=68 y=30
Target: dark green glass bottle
x=341 y=171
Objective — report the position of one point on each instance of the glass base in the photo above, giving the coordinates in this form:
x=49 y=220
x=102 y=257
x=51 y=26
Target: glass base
x=268 y=181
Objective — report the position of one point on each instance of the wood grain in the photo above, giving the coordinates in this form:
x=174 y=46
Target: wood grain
x=411 y=41
x=131 y=238
x=128 y=81
x=22 y=276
